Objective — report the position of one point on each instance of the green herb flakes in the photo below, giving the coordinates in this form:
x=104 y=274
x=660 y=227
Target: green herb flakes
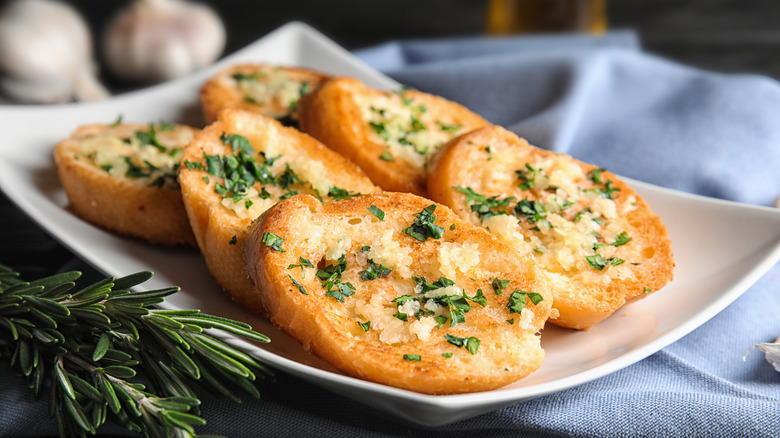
x=424 y=225
x=300 y=287
x=337 y=193
x=517 y=301
x=374 y=271
x=273 y=241
x=376 y=211
x=597 y=261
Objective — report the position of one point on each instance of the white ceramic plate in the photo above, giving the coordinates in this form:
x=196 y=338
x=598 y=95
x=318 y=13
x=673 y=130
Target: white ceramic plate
x=721 y=248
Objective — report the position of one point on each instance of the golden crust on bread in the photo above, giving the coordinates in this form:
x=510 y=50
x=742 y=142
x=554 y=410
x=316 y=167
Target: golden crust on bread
x=270 y=90
x=597 y=241
x=275 y=162
x=123 y=178
x=390 y=135
x=349 y=282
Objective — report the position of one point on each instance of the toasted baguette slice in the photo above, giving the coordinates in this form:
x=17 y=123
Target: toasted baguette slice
x=274 y=162
x=594 y=237
x=391 y=135
x=267 y=89
x=123 y=178
x=349 y=282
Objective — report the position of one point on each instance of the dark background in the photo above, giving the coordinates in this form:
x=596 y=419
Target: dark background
x=720 y=35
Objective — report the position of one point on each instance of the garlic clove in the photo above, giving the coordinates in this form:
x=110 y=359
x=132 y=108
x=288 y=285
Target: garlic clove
x=45 y=53
x=156 y=40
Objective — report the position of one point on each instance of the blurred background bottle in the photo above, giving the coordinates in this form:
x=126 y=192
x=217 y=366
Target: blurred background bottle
x=540 y=16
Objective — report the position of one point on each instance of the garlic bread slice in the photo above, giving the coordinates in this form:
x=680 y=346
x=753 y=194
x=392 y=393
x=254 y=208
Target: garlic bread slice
x=594 y=237
x=393 y=288
x=389 y=134
x=122 y=177
x=237 y=168
x=267 y=89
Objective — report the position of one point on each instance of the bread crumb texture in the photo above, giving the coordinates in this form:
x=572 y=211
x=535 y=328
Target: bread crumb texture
x=123 y=177
x=237 y=168
x=393 y=288
x=270 y=90
x=595 y=240
x=390 y=134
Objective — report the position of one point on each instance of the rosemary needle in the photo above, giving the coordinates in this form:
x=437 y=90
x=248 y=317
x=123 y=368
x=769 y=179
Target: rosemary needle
x=110 y=355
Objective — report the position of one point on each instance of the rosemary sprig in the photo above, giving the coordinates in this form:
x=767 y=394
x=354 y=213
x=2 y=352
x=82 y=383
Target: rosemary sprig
x=112 y=356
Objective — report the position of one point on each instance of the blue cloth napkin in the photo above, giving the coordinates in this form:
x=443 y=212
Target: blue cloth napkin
x=604 y=101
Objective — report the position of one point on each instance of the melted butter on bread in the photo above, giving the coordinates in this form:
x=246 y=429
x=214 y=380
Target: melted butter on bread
x=123 y=177
x=239 y=167
x=428 y=320
x=391 y=135
x=595 y=239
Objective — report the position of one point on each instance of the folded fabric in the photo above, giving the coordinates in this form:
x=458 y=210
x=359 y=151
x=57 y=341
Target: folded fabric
x=603 y=101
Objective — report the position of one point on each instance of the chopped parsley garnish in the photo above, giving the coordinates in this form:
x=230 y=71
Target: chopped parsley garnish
x=117 y=122
x=499 y=285
x=608 y=191
x=366 y=326
x=385 y=156
x=478 y=298
x=339 y=290
x=621 y=239
x=471 y=195
x=471 y=343
x=424 y=225
x=376 y=211
x=374 y=271
x=331 y=276
x=302 y=263
x=233 y=240
x=412 y=357
x=300 y=287
x=247 y=77
x=454 y=340
x=333 y=272
x=595 y=175
x=517 y=300
x=528 y=176
x=288 y=178
x=447 y=355
x=150 y=138
x=337 y=193
x=237 y=142
x=482 y=205
x=448 y=127
x=381 y=130
x=402 y=316
x=598 y=262
x=273 y=241
x=533 y=210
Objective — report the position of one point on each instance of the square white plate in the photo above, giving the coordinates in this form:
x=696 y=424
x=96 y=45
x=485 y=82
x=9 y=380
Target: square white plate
x=707 y=278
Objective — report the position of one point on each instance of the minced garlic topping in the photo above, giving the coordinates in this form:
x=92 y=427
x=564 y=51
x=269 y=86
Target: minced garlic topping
x=143 y=157
x=273 y=87
x=405 y=126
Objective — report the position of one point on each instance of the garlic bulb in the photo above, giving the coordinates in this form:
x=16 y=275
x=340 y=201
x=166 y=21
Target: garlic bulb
x=156 y=40
x=46 y=54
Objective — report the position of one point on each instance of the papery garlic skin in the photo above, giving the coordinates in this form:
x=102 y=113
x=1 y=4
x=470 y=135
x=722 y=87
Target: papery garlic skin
x=157 y=40
x=46 y=54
